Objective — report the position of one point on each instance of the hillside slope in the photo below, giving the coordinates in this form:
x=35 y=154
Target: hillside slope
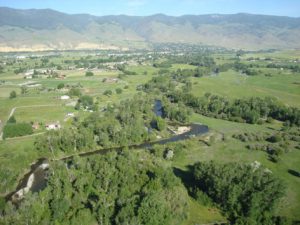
x=46 y=29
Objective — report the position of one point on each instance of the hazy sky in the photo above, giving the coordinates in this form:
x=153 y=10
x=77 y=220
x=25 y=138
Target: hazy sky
x=169 y=7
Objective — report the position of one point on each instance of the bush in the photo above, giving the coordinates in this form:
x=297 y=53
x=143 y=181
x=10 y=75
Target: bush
x=60 y=86
x=89 y=74
x=13 y=94
x=107 y=92
x=202 y=198
x=158 y=123
x=74 y=92
x=274 y=138
x=119 y=91
x=274 y=158
x=86 y=101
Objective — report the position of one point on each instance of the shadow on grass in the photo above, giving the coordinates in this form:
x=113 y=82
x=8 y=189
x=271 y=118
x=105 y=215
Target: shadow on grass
x=189 y=182
x=294 y=173
x=186 y=177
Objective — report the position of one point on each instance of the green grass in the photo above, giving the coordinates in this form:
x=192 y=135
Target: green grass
x=285 y=54
x=183 y=66
x=199 y=214
x=5 y=91
x=8 y=104
x=42 y=114
x=228 y=128
x=233 y=85
x=141 y=69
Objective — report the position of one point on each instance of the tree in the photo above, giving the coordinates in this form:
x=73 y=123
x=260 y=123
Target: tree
x=74 y=92
x=86 y=101
x=159 y=123
x=274 y=138
x=119 y=91
x=60 y=86
x=24 y=90
x=89 y=74
x=12 y=95
x=107 y=92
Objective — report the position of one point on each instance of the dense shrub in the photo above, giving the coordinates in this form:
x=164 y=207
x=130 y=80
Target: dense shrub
x=274 y=138
x=60 y=85
x=89 y=74
x=119 y=91
x=13 y=94
x=107 y=92
x=16 y=130
x=74 y=92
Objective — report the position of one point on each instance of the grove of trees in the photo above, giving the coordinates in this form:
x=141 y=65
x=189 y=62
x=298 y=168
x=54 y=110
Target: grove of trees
x=104 y=190
x=247 y=193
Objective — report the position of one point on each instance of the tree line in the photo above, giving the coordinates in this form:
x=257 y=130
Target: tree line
x=252 y=110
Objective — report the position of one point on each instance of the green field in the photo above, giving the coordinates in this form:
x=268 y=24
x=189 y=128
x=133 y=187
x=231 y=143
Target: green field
x=233 y=85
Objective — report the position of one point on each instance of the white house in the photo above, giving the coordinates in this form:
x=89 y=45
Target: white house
x=65 y=97
x=53 y=126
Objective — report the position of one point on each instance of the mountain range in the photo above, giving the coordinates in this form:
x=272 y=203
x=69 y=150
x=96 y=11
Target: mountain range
x=46 y=29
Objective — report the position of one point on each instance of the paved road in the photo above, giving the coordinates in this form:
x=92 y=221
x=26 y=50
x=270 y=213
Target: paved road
x=13 y=111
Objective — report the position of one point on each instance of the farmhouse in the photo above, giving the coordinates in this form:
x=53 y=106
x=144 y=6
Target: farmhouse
x=53 y=126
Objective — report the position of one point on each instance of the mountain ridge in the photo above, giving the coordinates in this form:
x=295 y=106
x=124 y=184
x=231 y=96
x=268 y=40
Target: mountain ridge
x=47 y=29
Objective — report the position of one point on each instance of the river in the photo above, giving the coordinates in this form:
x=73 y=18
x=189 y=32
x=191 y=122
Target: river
x=36 y=179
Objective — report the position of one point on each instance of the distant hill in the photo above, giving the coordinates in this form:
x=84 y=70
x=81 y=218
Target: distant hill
x=46 y=29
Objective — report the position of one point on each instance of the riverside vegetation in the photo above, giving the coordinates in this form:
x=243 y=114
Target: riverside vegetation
x=244 y=171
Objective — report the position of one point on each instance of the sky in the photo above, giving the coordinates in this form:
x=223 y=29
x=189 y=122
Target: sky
x=168 y=7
